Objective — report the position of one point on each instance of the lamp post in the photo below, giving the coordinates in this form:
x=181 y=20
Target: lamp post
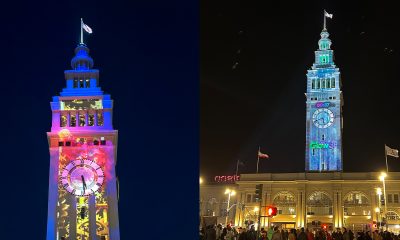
x=382 y=178
x=230 y=193
x=379 y=192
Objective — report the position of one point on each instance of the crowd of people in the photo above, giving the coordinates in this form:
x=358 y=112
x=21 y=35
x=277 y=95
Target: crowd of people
x=274 y=233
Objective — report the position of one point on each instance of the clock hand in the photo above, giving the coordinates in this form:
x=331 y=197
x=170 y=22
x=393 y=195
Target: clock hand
x=83 y=183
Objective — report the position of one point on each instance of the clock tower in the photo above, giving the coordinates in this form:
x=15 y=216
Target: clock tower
x=324 y=119
x=83 y=188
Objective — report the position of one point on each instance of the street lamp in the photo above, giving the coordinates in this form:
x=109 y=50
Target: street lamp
x=379 y=192
x=230 y=193
x=382 y=178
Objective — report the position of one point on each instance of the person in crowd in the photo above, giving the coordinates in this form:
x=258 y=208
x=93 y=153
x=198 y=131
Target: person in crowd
x=242 y=234
x=230 y=233
x=351 y=235
x=310 y=235
x=292 y=234
x=276 y=235
x=270 y=232
x=218 y=231
x=346 y=235
x=286 y=235
x=252 y=234
x=302 y=235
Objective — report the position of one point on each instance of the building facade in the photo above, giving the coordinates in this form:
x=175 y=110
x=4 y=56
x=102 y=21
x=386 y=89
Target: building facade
x=313 y=200
x=83 y=191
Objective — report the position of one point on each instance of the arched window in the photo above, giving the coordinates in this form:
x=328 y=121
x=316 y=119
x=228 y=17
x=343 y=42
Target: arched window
x=285 y=202
x=313 y=84
x=356 y=204
x=63 y=121
x=333 y=82
x=319 y=203
x=318 y=82
x=328 y=83
x=322 y=83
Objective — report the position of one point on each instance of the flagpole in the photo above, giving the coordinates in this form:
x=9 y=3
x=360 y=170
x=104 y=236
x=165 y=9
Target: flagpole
x=81 y=31
x=258 y=157
x=387 y=168
x=324 y=20
x=237 y=167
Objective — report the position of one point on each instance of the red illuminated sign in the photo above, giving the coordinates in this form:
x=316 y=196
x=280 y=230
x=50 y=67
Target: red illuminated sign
x=232 y=178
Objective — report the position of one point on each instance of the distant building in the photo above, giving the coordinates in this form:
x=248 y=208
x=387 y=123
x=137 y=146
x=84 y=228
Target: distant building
x=214 y=201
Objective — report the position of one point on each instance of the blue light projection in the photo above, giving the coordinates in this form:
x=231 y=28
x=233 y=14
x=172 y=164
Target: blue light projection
x=324 y=111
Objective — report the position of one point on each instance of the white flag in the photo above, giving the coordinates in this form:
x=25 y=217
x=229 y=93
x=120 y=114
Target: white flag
x=87 y=28
x=392 y=152
x=328 y=15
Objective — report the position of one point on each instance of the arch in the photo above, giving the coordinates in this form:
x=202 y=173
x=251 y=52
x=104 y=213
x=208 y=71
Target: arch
x=284 y=197
x=319 y=203
x=285 y=202
x=356 y=198
x=319 y=198
x=356 y=203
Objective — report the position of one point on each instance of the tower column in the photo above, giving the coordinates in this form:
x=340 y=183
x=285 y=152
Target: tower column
x=92 y=218
x=53 y=195
x=111 y=188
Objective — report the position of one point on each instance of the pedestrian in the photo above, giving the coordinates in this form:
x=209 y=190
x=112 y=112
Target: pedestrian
x=276 y=235
x=251 y=234
x=346 y=235
x=230 y=233
x=292 y=234
x=310 y=235
x=302 y=235
x=218 y=231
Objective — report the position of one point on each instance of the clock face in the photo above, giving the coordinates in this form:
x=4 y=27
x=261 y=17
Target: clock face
x=82 y=177
x=323 y=118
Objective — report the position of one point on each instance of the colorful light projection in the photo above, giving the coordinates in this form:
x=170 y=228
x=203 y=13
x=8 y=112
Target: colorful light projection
x=100 y=155
x=81 y=104
x=323 y=145
x=324 y=104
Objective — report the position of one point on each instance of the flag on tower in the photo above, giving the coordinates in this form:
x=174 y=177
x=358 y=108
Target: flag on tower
x=392 y=152
x=262 y=155
x=328 y=15
x=87 y=28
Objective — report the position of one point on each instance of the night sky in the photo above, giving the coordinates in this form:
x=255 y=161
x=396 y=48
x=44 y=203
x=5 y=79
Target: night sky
x=254 y=60
x=147 y=54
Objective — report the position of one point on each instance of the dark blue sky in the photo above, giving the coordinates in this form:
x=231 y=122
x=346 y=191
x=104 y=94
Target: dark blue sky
x=147 y=54
x=260 y=101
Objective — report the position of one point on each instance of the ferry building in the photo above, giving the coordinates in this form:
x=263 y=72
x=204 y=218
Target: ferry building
x=323 y=196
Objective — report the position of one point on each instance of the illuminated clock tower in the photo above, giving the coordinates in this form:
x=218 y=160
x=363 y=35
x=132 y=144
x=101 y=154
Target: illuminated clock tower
x=83 y=188
x=324 y=120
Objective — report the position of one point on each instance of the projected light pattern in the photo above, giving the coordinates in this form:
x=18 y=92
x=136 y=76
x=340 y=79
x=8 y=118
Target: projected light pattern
x=324 y=111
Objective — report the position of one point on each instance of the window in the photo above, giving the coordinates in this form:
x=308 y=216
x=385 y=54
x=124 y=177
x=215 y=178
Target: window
x=248 y=198
x=396 y=198
x=87 y=83
x=322 y=83
x=75 y=83
x=313 y=84
x=72 y=122
x=313 y=151
x=100 y=119
x=63 y=121
x=333 y=82
x=91 y=120
x=81 y=83
x=82 y=120
x=318 y=83
x=328 y=83
x=390 y=200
